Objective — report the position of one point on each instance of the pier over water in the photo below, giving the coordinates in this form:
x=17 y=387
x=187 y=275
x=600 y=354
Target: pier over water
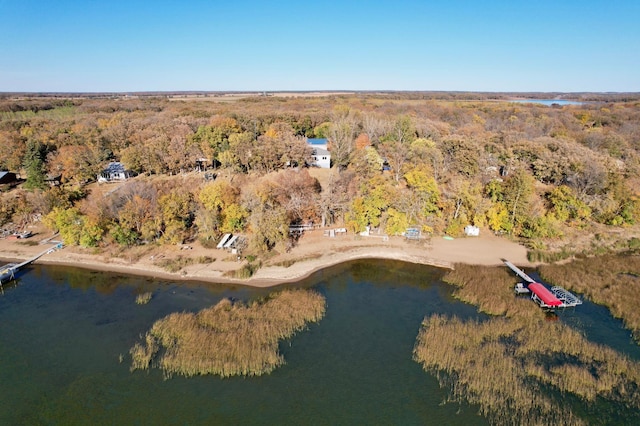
x=8 y=271
x=557 y=297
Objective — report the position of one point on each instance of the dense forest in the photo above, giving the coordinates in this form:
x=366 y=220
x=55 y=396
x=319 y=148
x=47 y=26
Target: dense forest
x=434 y=161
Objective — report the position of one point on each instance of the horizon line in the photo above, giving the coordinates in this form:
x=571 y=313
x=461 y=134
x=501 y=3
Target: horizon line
x=127 y=92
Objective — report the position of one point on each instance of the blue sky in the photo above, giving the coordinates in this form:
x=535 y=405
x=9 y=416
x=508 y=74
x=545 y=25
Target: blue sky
x=132 y=45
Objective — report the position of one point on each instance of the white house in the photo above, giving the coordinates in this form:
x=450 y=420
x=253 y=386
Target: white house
x=115 y=171
x=321 y=156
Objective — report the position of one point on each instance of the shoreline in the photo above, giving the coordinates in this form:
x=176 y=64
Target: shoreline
x=313 y=254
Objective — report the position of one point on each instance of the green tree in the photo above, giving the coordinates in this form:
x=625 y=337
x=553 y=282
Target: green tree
x=425 y=186
x=175 y=209
x=221 y=201
x=518 y=190
x=367 y=210
x=214 y=138
x=565 y=206
x=68 y=222
x=235 y=217
x=498 y=218
x=397 y=222
x=34 y=165
x=123 y=235
x=92 y=233
x=403 y=131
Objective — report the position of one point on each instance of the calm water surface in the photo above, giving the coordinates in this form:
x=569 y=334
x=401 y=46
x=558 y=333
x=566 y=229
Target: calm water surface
x=547 y=102
x=63 y=331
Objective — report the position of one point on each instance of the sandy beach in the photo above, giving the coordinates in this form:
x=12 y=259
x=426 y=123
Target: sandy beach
x=313 y=252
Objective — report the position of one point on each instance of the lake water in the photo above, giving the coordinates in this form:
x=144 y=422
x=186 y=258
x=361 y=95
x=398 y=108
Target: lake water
x=547 y=102
x=63 y=331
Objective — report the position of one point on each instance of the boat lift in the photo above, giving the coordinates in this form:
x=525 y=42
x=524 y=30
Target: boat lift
x=557 y=297
x=568 y=299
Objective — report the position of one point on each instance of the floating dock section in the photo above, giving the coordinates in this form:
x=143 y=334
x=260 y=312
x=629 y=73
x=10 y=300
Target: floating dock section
x=557 y=297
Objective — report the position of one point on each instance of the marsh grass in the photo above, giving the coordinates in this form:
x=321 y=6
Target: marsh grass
x=178 y=263
x=505 y=363
x=245 y=272
x=549 y=256
x=489 y=288
x=228 y=339
x=144 y=298
x=291 y=262
x=609 y=280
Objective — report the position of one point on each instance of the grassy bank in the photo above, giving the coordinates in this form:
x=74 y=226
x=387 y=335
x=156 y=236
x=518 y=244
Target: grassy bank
x=506 y=363
x=611 y=280
x=178 y=263
x=228 y=339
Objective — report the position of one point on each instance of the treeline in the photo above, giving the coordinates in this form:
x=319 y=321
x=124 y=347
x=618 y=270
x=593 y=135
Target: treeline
x=527 y=170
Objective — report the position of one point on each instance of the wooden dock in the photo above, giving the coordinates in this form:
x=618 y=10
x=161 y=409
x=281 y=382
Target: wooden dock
x=8 y=271
x=519 y=272
x=558 y=297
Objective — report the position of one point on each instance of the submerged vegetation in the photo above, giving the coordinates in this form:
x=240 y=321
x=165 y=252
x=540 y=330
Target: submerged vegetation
x=610 y=280
x=507 y=364
x=228 y=339
x=144 y=298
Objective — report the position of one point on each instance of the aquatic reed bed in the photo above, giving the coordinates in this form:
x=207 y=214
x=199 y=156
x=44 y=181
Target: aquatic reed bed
x=611 y=280
x=490 y=288
x=504 y=364
x=228 y=339
x=144 y=298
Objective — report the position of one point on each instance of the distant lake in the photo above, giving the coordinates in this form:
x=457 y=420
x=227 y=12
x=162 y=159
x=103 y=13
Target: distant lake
x=63 y=330
x=547 y=102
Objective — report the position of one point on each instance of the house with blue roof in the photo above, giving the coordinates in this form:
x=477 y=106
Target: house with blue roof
x=321 y=155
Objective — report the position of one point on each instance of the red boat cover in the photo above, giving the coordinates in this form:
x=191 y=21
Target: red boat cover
x=545 y=295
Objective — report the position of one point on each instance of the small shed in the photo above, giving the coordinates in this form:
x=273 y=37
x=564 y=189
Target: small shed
x=471 y=231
